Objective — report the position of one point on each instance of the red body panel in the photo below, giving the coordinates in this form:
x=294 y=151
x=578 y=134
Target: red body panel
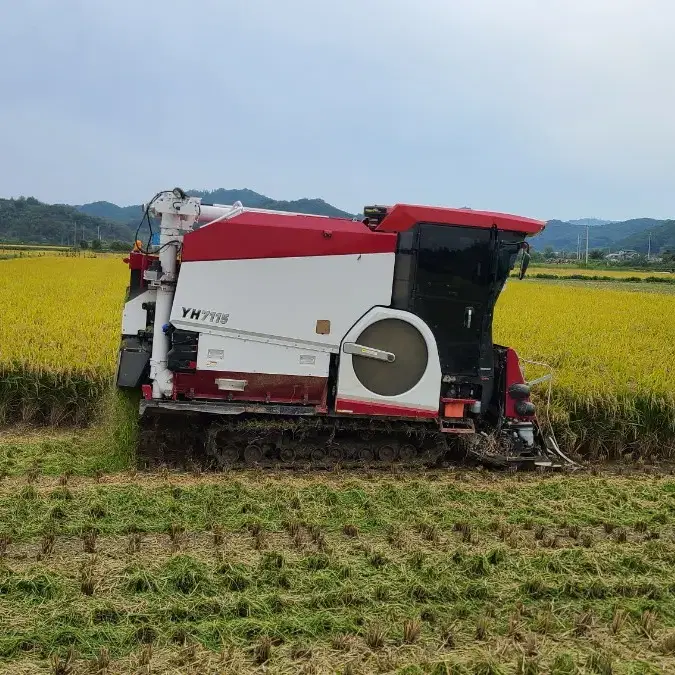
x=514 y=375
x=139 y=261
x=260 y=387
x=343 y=405
x=402 y=217
x=270 y=235
x=268 y=388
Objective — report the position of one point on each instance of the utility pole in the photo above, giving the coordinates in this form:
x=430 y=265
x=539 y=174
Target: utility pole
x=649 y=247
x=99 y=232
x=587 y=244
x=74 y=235
x=579 y=246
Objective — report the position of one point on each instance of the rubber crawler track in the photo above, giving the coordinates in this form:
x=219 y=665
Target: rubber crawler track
x=273 y=442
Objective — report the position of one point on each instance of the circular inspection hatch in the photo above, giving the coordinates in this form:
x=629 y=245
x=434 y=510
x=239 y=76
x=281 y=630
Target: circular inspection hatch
x=410 y=349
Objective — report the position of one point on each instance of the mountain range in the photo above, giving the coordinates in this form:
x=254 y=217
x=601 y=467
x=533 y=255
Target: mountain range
x=631 y=234
x=26 y=220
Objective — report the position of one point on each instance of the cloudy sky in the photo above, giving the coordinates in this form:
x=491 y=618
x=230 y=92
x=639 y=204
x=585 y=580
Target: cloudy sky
x=546 y=108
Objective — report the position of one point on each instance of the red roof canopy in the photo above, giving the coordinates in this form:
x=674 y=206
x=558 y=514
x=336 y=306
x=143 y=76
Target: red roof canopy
x=260 y=234
x=402 y=217
x=266 y=234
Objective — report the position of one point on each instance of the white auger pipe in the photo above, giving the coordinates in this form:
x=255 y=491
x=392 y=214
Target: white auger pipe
x=209 y=213
x=161 y=376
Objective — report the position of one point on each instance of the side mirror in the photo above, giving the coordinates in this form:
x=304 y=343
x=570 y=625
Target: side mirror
x=524 y=264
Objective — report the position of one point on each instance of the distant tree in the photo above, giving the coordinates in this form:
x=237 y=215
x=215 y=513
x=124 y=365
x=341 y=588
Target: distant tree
x=119 y=246
x=84 y=244
x=96 y=245
x=596 y=254
x=549 y=253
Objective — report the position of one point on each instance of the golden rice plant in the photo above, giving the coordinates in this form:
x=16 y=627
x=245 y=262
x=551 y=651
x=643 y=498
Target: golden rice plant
x=59 y=336
x=613 y=358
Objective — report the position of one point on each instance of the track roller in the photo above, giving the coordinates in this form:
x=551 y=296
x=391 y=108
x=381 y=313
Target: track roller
x=386 y=452
x=253 y=453
x=318 y=455
x=287 y=455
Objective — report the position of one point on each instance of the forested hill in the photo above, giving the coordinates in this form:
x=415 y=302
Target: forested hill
x=662 y=238
x=28 y=221
x=627 y=234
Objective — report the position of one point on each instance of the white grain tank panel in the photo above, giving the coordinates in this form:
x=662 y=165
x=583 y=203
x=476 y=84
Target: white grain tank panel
x=282 y=298
x=219 y=353
x=134 y=317
x=424 y=395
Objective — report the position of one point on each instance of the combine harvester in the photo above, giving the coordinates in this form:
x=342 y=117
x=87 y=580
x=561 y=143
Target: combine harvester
x=267 y=338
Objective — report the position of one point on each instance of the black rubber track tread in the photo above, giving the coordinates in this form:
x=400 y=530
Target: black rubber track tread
x=185 y=441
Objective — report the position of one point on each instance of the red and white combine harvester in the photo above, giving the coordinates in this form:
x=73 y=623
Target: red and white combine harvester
x=269 y=338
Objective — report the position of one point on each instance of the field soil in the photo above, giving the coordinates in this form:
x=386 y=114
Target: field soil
x=105 y=569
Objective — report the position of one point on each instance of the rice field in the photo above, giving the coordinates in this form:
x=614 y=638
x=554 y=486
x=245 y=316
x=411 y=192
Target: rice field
x=565 y=271
x=612 y=356
x=9 y=251
x=610 y=349
x=33 y=247
x=58 y=351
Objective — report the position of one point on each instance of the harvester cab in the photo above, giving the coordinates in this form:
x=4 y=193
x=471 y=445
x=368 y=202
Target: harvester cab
x=271 y=338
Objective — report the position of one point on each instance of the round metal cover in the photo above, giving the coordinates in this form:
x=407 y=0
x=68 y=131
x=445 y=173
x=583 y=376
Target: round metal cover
x=410 y=349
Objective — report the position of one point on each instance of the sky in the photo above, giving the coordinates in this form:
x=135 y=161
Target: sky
x=543 y=108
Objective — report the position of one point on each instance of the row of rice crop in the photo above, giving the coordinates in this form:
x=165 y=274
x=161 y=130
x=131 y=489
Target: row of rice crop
x=566 y=271
x=663 y=279
x=7 y=252
x=612 y=351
